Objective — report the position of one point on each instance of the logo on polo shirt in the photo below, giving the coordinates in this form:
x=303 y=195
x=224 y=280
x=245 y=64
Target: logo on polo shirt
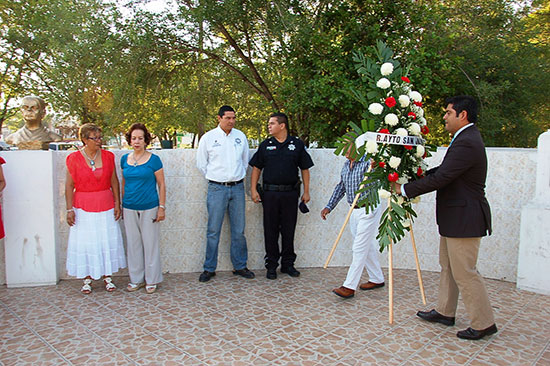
x=291 y=146
x=238 y=141
x=216 y=143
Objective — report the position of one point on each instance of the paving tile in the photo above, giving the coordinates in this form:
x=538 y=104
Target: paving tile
x=290 y=321
x=19 y=345
x=503 y=356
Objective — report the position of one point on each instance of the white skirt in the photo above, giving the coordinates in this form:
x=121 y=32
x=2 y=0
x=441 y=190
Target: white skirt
x=95 y=246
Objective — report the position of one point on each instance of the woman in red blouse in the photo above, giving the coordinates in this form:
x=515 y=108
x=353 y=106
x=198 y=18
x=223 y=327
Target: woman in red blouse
x=92 y=195
x=2 y=186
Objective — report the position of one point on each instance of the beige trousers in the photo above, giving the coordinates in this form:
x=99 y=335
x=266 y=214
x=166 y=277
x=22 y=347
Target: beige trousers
x=458 y=257
x=142 y=235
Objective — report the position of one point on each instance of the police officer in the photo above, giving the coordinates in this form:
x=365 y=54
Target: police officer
x=280 y=156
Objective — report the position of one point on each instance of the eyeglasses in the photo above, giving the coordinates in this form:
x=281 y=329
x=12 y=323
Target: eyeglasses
x=97 y=138
x=30 y=109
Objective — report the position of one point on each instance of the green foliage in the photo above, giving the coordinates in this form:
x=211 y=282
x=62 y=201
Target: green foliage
x=173 y=70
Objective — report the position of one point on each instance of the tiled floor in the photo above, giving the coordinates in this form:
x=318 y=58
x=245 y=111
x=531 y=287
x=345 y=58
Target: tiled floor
x=234 y=321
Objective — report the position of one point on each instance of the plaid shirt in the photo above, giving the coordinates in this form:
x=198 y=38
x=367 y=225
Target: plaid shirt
x=350 y=179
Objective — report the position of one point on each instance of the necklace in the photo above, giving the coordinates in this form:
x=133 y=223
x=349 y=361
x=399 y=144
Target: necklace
x=136 y=161
x=92 y=161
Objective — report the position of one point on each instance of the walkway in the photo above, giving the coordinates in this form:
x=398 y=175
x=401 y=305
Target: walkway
x=234 y=321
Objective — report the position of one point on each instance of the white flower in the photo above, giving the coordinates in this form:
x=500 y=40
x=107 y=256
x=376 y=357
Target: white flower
x=420 y=112
x=394 y=162
x=386 y=69
x=383 y=194
x=416 y=199
x=416 y=96
x=383 y=83
x=372 y=147
x=422 y=121
x=403 y=180
x=406 y=223
x=401 y=132
x=420 y=151
x=414 y=129
x=376 y=108
x=391 y=119
x=404 y=101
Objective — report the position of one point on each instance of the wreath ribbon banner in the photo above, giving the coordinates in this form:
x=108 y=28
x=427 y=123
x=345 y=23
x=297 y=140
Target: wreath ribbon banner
x=386 y=138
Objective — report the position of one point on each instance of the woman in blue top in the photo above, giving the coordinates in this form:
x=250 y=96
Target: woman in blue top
x=143 y=209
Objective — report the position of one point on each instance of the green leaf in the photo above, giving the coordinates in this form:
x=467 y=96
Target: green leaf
x=372 y=126
x=373 y=94
x=397 y=208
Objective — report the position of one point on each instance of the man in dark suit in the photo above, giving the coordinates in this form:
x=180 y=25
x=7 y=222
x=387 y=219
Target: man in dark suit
x=463 y=217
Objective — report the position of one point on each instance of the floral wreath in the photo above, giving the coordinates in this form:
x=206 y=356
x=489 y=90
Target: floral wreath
x=391 y=137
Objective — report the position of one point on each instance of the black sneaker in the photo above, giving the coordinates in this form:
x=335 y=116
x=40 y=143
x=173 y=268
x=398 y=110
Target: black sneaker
x=271 y=274
x=206 y=276
x=291 y=271
x=245 y=272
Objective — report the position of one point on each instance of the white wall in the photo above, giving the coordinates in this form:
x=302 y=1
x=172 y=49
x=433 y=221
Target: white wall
x=510 y=184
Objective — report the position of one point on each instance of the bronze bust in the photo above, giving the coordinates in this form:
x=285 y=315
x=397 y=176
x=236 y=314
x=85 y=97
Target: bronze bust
x=33 y=136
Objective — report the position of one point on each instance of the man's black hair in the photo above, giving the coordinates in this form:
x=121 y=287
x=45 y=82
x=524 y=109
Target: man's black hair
x=281 y=118
x=223 y=109
x=464 y=103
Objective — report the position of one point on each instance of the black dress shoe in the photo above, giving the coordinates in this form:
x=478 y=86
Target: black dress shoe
x=245 y=272
x=434 y=317
x=271 y=274
x=291 y=271
x=473 y=334
x=206 y=276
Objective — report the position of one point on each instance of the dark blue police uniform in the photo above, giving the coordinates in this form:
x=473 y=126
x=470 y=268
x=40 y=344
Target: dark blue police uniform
x=281 y=185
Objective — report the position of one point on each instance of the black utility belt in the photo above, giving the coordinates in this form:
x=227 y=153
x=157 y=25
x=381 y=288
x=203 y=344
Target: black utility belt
x=281 y=187
x=227 y=183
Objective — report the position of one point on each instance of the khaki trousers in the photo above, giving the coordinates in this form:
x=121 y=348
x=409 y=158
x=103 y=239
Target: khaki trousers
x=142 y=235
x=458 y=257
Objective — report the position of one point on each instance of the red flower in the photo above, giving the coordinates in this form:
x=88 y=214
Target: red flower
x=384 y=130
x=412 y=114
x=419 y=172
x=405 y=79
x=425 y=130
x=425 y=154
x=418 y=104
x=408 y=147
x=393 y=177
x=381 y=164
x=390 y=102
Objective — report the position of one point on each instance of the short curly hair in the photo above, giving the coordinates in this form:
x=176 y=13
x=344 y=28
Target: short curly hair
x=138 y=126
x=86 y=129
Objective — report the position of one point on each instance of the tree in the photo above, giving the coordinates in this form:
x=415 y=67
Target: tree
x=61 y=49
x=173 y=70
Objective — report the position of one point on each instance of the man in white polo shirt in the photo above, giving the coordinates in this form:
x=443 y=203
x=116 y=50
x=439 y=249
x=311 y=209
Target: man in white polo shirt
x=222 y=157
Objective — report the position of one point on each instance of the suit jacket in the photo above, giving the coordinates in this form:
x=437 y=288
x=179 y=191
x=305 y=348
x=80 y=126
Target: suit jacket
x=462 y=211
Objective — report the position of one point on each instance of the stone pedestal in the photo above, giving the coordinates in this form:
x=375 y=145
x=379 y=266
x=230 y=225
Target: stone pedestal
x=534 y=247
x=29 y=219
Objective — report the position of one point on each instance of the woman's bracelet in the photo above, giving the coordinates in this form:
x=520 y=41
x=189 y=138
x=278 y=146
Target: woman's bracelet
x=70 y=210
x=163 y=207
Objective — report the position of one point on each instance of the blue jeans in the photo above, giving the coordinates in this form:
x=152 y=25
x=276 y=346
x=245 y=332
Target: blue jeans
x=219 y=200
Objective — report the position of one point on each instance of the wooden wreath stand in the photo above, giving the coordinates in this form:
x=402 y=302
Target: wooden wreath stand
x=390 y=259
